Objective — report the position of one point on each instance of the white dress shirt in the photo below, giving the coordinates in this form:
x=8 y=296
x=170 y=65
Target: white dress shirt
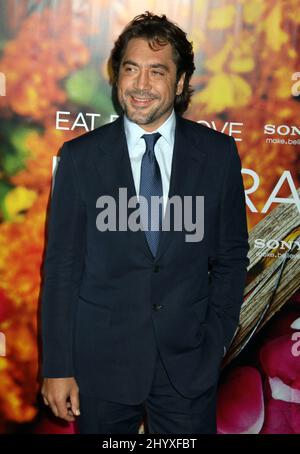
x=163 y=151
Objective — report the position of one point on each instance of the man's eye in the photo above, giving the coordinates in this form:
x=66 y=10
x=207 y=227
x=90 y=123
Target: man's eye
x=157 y=73
x=129 y=69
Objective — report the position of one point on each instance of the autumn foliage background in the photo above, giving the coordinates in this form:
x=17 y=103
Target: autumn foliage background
x=54 y=56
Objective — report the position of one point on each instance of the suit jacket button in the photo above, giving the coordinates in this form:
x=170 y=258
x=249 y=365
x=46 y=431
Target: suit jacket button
x=157 y=307
x=156 y=268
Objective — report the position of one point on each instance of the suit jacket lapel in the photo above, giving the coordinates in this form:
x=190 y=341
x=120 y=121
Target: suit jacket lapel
x=188 y=163
x=112 y=159
x=113 y=164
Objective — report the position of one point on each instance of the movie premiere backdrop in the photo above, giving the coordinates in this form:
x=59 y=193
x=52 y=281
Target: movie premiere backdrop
x=54 y=86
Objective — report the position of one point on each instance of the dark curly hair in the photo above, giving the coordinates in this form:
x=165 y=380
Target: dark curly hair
x=159 y=31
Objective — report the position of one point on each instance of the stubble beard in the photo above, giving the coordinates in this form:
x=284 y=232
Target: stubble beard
x=141 y=118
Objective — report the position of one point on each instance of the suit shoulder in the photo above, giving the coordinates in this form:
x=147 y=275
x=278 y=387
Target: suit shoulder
x=91 y=138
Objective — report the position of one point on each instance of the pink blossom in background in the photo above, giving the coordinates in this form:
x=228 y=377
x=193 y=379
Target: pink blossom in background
x=280 y=361
x=51 y=425
x=277 y=360
x=240 y=407
x=281 y=418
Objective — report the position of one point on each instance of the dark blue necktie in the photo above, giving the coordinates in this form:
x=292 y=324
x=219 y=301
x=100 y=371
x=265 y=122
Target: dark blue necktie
x=151 y=185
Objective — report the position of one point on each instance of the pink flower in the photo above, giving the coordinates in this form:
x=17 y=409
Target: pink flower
x=281 y=418
x=240 y=408
x=278 y=359
x=52 y=425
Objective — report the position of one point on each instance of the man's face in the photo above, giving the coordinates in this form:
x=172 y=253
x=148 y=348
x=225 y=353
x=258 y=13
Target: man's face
x=147 y=83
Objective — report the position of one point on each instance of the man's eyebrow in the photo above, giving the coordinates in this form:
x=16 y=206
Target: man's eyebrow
x=151 y=65
x=159 y=65
x=129 y=62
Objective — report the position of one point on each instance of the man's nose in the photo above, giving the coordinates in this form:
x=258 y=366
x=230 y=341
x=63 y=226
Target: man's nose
x=142 y=80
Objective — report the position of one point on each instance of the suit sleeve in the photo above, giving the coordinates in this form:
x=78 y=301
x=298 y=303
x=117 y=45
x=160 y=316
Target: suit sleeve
x=62 y=270
x=230 y=262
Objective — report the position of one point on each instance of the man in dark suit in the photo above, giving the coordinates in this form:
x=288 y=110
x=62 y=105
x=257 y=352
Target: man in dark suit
x=136 y=320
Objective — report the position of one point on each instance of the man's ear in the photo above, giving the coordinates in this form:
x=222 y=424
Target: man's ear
x=180 y=83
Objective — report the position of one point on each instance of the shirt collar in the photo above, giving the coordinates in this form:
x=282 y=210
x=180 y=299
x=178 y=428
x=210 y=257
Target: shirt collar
x=134 y=132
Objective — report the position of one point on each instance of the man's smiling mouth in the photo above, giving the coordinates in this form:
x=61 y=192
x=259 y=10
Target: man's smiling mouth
x=140 y=101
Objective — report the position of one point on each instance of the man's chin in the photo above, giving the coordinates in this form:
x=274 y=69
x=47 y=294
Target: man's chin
x=139 y=118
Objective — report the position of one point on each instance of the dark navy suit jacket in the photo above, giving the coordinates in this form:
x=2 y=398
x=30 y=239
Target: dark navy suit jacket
x=107 y=304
